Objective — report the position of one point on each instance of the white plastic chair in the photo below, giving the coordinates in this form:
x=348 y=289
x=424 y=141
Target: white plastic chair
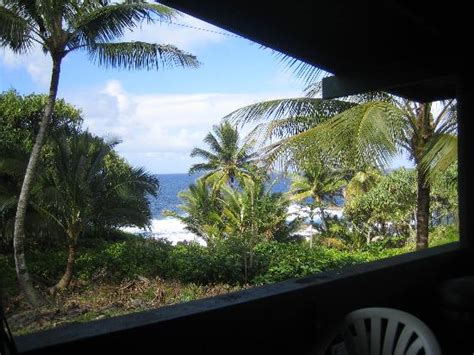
x=383 y=331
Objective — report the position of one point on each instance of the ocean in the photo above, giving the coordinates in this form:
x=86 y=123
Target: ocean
x=173 y=230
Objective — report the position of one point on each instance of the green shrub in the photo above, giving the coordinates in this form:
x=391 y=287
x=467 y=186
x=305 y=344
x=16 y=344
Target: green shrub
x=444 y=234
x=191 y=262
x=132 y=256
x=290 y=260
x=108 y=261
x=46 y=267
x=8 y=285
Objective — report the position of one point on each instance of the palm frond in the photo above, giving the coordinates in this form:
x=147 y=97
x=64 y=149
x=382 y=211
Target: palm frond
x=7 y=203
x=198 y=168
x=106 y=23
x=447 y=120
x=27 y=9
x=98 y=158
x=145 y=181
x=139 y=55
x=201 y=153
x=213 y=142
x=362 y=134
x=14 y=31
x=285 y=108
x=441 y=152
x=309 y=73
x=287 y=127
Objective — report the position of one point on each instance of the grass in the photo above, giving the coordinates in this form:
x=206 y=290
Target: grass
x=84 y=303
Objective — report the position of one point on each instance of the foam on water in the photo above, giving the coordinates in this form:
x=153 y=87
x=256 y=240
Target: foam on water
x=169 y=228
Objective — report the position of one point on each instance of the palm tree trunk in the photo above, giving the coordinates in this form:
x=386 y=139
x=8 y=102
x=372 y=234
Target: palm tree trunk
x=323 y=218
x=424 y=134
x=24 y=278
x=67 y=277
x=422 y=212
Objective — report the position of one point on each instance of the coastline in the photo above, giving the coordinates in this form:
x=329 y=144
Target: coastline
x=173 y=230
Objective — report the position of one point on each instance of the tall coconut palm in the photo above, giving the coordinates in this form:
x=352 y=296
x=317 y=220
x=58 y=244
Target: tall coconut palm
x=79 y=186
x=228 y=159
x=370 y=133
x=64 y=26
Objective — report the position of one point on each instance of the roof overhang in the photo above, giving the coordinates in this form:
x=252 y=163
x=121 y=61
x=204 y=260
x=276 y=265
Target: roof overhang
x=409 y=48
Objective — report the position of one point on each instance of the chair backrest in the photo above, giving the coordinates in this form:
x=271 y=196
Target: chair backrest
x=387 y=331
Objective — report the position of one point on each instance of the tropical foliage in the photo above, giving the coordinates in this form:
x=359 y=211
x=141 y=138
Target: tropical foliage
x=62 y=27
x=203 y=212
x=321 y=184
x=368 y=134
x=84 y=191
x=82 y=184
x=239 y=218
x=79 y=189
x=228 y=160
x=20 y=117
x=388 y=208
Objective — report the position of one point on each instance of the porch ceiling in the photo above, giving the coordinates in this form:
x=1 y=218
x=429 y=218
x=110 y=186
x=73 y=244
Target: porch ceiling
x=411 y=48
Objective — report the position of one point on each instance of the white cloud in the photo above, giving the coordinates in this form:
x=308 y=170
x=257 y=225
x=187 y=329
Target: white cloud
x=37 y=64
x=160 y=127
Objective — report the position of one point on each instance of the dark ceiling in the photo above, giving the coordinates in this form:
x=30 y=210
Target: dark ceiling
x=412 y=48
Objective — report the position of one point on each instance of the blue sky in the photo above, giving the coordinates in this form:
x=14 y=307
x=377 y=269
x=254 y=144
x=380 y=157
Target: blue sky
x=161 y=115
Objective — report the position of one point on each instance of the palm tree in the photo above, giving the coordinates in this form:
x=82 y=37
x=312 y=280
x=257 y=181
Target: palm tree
x=361 y=183
x=62 y=27
x=203 y=213
x=228 y=159
x=80 y=190
x=367 y=134
x=13 y=162
x=277 y=120
x=321 y=183
x=254 y=214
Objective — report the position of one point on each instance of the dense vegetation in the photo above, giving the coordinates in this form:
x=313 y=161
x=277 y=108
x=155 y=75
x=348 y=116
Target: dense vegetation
x=65 y=193
x=82 y=185
x=85 y=193
x=60 y=28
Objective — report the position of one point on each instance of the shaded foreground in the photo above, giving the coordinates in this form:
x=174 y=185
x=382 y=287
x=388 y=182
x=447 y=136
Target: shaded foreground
x=83 y=303
x=135 y=274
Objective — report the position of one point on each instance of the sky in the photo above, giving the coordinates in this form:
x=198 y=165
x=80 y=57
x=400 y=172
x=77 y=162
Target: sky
x=160 y=116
